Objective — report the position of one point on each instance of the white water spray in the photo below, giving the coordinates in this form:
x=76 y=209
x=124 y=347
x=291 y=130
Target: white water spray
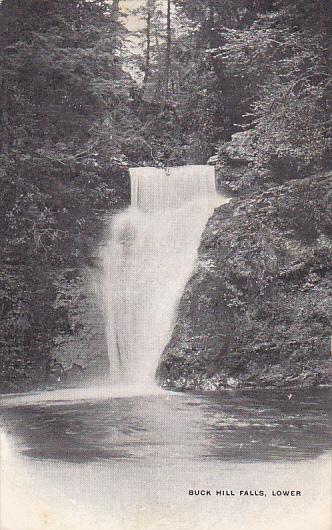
x=147 y=262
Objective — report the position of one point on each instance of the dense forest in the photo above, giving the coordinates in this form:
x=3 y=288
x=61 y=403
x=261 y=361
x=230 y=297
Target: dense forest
x=84 y=96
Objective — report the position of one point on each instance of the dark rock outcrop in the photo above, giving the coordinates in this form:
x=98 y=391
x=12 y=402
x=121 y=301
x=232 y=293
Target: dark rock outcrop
x=234 y=164
x=80 y=348
x=258 y=308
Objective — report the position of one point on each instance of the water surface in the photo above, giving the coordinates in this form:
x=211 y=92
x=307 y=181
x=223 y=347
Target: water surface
x=234 y=425
x=132 y=458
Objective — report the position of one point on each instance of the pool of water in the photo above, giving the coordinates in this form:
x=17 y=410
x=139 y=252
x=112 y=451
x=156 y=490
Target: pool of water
x=128 y=459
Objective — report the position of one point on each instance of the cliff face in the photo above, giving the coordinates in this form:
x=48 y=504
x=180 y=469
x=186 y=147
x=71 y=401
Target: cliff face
x=51 y=324
x=80 y=348
x=258 y=308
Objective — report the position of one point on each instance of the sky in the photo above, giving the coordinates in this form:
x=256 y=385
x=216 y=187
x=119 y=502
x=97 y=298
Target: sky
x=132 y=22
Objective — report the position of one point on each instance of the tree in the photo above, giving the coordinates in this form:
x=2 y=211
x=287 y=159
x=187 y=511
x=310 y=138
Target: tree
x=148 y=46
x=281 y=60
x=61 y=159
x=265 y=66
x=168 y=50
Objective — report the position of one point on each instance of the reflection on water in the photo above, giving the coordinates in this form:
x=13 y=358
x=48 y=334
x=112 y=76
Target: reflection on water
x=76 y=460
x=238 y=426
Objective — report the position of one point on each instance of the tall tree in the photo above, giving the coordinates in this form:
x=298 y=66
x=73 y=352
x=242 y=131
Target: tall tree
x=168 y=49
x=148 y=46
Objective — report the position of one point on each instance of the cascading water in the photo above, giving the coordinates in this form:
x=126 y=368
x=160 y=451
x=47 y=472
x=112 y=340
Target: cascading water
x=148 y=259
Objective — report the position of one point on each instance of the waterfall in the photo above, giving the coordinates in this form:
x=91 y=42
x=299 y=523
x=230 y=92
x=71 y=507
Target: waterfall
x=149 y=257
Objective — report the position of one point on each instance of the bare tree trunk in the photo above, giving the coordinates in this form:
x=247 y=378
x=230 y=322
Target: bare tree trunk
x=148 y=47
x=158 y=95
x=211 y=25
x=211 y=40
x=4 y=136
x=5 y=39
x=168 y=50
x=115 y=10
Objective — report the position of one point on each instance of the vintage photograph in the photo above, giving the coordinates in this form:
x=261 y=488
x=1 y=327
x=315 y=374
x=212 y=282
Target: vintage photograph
x=165 y=265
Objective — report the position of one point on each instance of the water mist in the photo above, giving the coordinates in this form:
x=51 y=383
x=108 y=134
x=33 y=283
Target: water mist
x=148 y=260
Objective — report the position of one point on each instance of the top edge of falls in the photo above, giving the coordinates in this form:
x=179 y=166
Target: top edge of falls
x=155 y=188
x=188 y=168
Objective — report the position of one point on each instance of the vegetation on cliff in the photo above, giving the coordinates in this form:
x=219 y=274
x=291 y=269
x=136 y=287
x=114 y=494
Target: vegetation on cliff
x=81 y=99
x=258 y=308
x=61 y=90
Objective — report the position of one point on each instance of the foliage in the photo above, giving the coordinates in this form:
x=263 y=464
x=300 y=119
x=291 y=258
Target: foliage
x=73 y=116
x=270 y=71
x=62 y=163
x=281 y=60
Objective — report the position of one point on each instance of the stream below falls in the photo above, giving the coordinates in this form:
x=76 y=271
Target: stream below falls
x=126 y=459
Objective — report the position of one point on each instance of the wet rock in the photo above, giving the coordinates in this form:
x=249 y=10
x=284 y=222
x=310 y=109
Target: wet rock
x=234 y=163
x=80 y=347
x=258 y=308
x=241 y=148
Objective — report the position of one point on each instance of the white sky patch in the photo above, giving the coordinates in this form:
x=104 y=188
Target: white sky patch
x=133 y=23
